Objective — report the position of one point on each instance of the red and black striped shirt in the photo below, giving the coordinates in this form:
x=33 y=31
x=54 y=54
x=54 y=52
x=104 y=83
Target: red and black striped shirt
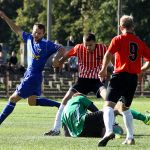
x=89 y=63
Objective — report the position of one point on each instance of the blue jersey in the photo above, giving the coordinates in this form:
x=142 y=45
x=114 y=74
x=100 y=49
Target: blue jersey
x=38 y=53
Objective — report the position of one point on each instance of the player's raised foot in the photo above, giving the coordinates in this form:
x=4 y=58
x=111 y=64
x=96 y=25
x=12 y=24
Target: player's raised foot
x=147 y=120
x=105 y=139
x=129 y=142
x=52 y=133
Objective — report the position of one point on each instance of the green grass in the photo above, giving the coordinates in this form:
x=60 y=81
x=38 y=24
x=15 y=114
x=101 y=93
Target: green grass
x=24 y=128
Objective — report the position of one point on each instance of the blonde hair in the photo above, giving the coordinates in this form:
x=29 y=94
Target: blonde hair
x=127 y=22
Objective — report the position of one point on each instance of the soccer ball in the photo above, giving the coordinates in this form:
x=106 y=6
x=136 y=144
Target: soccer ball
x=118 y=129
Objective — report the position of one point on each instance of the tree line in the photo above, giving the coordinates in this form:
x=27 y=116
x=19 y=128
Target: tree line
x=74 y=17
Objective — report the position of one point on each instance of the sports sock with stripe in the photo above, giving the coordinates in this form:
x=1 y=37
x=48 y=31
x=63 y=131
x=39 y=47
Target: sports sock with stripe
x=7 y=111
x=46 y=102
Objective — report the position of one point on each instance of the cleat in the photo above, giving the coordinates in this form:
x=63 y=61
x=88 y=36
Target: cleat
x=52 y=133
x=105 y=139
x=129 y=142
x=147 y=120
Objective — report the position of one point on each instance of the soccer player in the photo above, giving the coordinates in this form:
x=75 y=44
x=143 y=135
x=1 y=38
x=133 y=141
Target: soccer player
x=128 y=50
x=39 y=50
x=78 y=122
x=90 y=56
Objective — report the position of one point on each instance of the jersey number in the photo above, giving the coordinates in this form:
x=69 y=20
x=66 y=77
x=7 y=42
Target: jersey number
x=133 y=51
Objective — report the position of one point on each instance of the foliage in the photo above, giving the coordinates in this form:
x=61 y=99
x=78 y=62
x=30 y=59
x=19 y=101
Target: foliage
x=6 y=35
x=75 y=17
x=140 y=11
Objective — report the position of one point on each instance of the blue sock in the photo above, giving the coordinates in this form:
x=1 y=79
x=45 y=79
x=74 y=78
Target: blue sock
x=7 y=111
x=46 y=102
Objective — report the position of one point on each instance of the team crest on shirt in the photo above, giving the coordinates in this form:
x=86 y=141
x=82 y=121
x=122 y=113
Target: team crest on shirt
x=38 y=50
x=36 y=57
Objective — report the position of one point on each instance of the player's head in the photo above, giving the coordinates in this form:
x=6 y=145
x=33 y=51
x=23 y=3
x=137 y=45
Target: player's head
x=89 y=41
x=38 y=31
x=126 y=23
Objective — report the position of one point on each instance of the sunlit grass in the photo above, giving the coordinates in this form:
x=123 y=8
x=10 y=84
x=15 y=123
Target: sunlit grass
x=24 y=128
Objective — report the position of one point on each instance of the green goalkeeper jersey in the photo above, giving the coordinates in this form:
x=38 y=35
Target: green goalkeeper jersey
x=74 y=114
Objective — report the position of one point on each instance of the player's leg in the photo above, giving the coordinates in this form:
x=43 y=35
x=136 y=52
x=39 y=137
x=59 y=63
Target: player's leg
x=139 y=116
x=112 y=96
x=79 y=86
x=128 y=121
x=108 y=116
x=57 y=123
x=14 y=98
x=103 y=92
x=127 y=98
x=35 y=101
x=32 y=89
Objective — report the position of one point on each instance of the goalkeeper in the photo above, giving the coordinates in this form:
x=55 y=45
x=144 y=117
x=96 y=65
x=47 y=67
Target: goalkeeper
x=77 y=122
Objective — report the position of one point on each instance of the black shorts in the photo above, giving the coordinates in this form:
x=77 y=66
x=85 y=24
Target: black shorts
x=122 y=85
x=93 y=126
x=86 y=85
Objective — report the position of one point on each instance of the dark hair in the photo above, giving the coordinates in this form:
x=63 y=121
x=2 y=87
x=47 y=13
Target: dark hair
x=89 y=37
x=40 y=26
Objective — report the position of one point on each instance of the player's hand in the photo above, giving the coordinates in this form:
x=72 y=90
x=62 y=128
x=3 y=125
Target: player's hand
x=56 y=63
x=102 y=75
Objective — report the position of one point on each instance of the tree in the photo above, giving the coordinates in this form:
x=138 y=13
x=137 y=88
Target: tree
x=141 y=18
x=7 y=36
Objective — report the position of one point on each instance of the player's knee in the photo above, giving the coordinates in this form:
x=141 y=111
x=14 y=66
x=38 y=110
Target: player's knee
x=31 y=102
x=14 y=99
x=65 y=100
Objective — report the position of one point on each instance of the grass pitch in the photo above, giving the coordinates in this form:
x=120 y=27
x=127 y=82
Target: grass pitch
x=24 y=128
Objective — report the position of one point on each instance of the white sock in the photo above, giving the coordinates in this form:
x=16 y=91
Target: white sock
x=128 y=121
x=108 y=116
x=57 y=123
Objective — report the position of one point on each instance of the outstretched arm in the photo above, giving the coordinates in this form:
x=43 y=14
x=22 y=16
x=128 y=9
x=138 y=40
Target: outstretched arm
x=57 y=63
x=11 y=24
x=106 y=60
x=145 y=67
x=92 y=108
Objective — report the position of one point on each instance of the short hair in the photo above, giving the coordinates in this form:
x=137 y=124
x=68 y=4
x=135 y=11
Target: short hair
x=89 y=37
x=126 y=21
x=40 y=26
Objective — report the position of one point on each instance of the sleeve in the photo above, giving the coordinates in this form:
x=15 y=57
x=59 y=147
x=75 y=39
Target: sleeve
x=114 y=46
x=25 y=36
x=88 y=104
x=52 y=47
x=73 y=51
x=92 y=107
x=85 y=101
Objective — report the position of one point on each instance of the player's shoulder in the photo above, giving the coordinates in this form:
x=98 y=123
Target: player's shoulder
x=79 y=46
x=101 y=46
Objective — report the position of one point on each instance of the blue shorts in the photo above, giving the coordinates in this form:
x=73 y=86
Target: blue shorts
x=30 y=85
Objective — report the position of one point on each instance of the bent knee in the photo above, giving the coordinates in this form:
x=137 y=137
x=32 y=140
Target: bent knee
x=14 y=98
x=32 y=101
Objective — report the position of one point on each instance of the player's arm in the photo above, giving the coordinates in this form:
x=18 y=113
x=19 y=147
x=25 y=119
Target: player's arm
x=11 y=24
x=103 y=72
x=145 y=67
x=92 y=107
x=64 y=58
x=56 y=59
